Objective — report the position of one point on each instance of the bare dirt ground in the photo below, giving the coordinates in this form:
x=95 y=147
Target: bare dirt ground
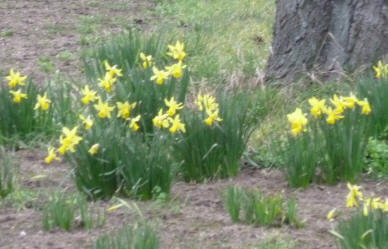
x=39 y=36
x=194 y=218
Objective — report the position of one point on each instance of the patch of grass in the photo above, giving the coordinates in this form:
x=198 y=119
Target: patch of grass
x=45 y=64
x=7 y=174
x=139 y=236
x=277 y=241
x=224 y=37
x=65 y=55
x=6 y=33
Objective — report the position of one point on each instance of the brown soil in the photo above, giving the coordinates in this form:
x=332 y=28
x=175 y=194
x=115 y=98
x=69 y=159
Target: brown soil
x=194 y=218
x=33 y=33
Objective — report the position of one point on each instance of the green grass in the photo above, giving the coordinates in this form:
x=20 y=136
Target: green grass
x=225 y=38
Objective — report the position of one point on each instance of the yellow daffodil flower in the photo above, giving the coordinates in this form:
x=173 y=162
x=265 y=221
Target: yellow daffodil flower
x=134 y=123
x=331 y=214
x=88 y=95
x=354 y=195
x=18 y=95
x=104 y=109
x=333 y=116
x=176 y=125
x=107 y=82
x=365 y=210
x=161 y=120
x=159 y=75
x=297 y=120
x=365 y=107
x=173 y=106
x=176 y=69
x=177 y=52
x=42 y=102
x=68 y=140
x=212 y=116
x=94 y=149
x=51 y=155
x=381 y=70
x=147 y=60
x=124 y=109
x=88 y=122
x=350 y=101
x=112 y=70
x=338 y=104
x=318 y=107
x=15 y=79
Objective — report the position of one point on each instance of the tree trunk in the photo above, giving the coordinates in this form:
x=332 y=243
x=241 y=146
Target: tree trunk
x=326 y=36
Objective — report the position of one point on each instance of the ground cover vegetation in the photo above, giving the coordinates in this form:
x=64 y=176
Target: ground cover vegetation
x=153 y=110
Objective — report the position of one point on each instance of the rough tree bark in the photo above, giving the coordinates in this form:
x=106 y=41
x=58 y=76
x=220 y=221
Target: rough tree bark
x=326 y=36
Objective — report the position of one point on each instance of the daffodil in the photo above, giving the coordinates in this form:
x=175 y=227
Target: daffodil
x=177 y=51
x=42 y=102
x=112 y=70
x=176 y=69
x=374 y=203
x=354 y=195
x=18 y=95
x=15 y=79
x=318 y=107
x=161 y=120
x=124 y=109
x=173 y=106
x=88 y=122
x=365 y=107
x=381 y=70
x=297 y=120
x=176 y=124
x=350 y=101
x=159 y=75
x=212 y=116
x=365 y=210
x=88 y=95
x=93 y=149
x=338 y=104
x=147 y=60
x=104 y=109
x=134 y=123
x=68 y=140
x=107 y=82
x=51 y=155
x=333 y=115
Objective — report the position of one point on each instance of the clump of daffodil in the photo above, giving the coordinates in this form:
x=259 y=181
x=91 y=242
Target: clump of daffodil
x=93 y=149
x=42 y=102
x=173 y=106
x=208 y=104
x=68 y=140
x=18 y=95
x=88 y=95
x=51 y=155
x=159 y=75
x=15 y=79
x=298 y=121
x=147 y=60
x=88 y=122
x=133 y=124
x=161 y=120
x=104 y=109
x=113 y=71
x=107 y=82
x=177 y=51
x=381 y=70
x=176 y=69
x=318 y=107
x=124 y=109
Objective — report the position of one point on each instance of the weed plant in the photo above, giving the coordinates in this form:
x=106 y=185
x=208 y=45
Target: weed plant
x=377 y=158
x=214 y=151
x=139 y=236
x=259 y=209
x=7 y=174
x=360 y=231
x=61 y=211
